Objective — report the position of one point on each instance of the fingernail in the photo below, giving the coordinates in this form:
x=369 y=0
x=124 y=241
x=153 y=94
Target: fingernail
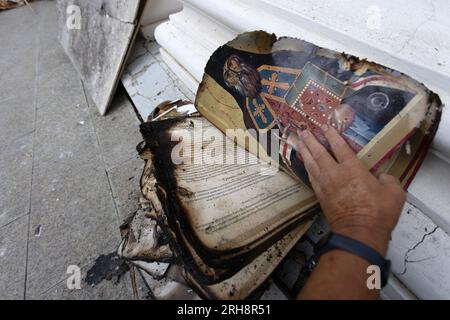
x=324 y=127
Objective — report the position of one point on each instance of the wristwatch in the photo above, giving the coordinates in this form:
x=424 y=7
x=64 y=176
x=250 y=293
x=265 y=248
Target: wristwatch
x=333 y=241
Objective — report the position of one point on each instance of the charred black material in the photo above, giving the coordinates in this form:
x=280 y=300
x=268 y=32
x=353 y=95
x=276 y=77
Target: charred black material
x=225 y=263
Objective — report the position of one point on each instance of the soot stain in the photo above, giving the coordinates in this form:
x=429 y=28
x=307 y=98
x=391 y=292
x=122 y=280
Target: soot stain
x=106 y=267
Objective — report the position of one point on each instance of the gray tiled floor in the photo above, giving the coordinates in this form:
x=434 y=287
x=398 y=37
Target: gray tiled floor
x=68 y=177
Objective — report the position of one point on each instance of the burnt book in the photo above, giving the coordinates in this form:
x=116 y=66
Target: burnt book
x=229 y=190
x=222 y=217
x=234 y=260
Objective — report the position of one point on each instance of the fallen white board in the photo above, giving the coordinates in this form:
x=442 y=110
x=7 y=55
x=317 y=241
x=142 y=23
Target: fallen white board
x=96 y=36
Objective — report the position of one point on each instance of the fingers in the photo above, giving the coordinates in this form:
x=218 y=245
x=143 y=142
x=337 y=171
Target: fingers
x=309 y=162
x=317 y=151
x=340 y=148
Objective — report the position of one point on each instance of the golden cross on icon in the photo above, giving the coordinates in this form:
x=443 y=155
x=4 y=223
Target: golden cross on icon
x=273 y=82
x=259 y=111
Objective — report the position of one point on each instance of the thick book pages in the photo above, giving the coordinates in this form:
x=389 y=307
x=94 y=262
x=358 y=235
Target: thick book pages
x=259 y=83
x=238 y=274
x=222 y=280
x=239 y=281
x=222 y=215
x=248 y=279
x=227 y=199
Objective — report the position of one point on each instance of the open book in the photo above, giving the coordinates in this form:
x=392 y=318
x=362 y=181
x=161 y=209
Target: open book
x=213 y=180
x=232 y=258
x=223 y=216
x=259 y=84
x=237 y=281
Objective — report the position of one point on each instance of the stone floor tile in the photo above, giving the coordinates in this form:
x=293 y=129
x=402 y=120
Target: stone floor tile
x=13 y=252
x=118 y=132
x=17 y=115
x=125 y=186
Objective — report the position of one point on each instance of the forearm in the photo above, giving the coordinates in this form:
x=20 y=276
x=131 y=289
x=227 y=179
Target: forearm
x=339 y=275
x=343 y=275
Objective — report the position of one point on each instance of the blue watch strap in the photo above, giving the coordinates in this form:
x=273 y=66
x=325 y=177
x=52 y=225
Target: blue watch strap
x=336 y=241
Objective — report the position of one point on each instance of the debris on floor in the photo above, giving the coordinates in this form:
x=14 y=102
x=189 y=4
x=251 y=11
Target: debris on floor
x=106 y=267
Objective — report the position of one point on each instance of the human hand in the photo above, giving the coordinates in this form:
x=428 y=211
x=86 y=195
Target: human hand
x=355 y=202
x=342 y=117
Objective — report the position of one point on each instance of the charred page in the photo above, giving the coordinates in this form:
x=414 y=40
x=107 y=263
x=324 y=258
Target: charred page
x=238 y=281
x=224 y=200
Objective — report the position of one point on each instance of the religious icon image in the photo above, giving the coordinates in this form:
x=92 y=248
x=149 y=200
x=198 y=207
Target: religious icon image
x=293 y=85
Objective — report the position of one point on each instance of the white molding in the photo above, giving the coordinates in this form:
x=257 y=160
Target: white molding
x=155 y=12
x=189 y=54
x=148 y=31
x=181 y=73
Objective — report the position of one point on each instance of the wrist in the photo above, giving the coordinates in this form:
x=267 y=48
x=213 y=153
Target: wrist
x=337 y=247
x=369 y=233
